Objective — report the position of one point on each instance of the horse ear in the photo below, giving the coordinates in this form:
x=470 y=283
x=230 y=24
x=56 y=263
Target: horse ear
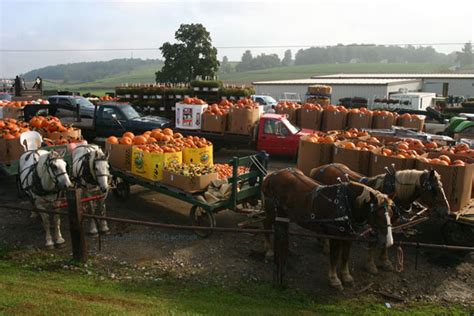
x=392 y=167
x=432 y=173
x=387 y=169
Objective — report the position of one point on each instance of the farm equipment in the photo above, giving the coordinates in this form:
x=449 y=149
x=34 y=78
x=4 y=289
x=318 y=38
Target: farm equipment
x=245 y=188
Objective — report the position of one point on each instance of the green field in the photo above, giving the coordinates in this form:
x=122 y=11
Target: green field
x=27 y=291
x=147 y=75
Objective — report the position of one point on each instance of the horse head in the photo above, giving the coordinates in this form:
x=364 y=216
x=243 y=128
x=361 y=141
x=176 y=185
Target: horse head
x=432 y=192
x=377 y=209
x=100 y=165
x=56 y=168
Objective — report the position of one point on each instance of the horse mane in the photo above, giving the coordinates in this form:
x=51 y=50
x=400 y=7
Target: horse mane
x=406 y=182
x=365 y=195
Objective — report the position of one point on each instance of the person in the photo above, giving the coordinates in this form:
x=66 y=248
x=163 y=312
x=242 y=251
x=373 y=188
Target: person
x=38 y=83
x=23 y=84
x=17 y=86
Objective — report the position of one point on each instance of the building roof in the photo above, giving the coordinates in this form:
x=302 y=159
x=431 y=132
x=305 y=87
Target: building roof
x=398 y=76
x=335 y=81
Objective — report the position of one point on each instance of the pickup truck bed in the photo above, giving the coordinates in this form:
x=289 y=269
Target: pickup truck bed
x=222 y=139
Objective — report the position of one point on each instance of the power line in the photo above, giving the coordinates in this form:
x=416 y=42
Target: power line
x=15 y=50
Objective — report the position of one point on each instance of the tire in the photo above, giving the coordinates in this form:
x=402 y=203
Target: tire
x=202 y=218
x=121 y=190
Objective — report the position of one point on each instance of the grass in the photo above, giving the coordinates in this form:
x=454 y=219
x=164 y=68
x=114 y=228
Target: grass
x=146 y=74
x=27 y=290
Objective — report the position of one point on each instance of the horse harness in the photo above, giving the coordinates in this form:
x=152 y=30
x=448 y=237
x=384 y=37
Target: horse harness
x=87 y=174
x=36 y=187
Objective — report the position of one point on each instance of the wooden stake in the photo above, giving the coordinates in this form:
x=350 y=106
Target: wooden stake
x=78 y=239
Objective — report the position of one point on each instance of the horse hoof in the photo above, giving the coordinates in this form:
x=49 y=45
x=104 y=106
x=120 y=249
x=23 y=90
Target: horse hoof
x=50 y=247
x=338 y=286
x=372 y=269
x=105 y=232
x=60 y=245
x=348 y=280
x=94 y=235
x=387 y=266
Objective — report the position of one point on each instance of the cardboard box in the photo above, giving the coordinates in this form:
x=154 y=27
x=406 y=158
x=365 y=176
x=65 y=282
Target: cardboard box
x=12 y=112
x=214 y=123
x=10 y=150
x=291 y=114
x=151 y=165
x=457 y=181
x=378 y=162
x=312 y=155
x=242 y=120
x=382 y=122
x=412 y=123
x=188 y=184
x=359 y=120
x=333 y=120
x=188 y=116
x=203 y=156
x=310 y=119
x=120 y=156
x=75 y=134
x=356 y=160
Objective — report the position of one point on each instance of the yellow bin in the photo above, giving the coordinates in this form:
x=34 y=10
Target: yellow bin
x=198 y=156
x=150 y=165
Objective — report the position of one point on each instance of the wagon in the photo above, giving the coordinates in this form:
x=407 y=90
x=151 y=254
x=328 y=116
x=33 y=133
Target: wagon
x=458 y=228
x=245 y=188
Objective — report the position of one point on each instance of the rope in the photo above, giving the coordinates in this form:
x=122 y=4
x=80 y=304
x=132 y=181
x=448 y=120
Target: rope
x=399 y=265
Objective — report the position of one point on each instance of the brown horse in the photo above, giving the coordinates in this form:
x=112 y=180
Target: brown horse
x=345 y=208
x=404 y=187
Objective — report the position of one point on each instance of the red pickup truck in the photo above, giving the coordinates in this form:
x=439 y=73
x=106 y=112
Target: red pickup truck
x=273 y=133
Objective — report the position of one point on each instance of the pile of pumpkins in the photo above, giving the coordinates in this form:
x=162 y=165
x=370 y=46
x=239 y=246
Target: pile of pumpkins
x=159 y=140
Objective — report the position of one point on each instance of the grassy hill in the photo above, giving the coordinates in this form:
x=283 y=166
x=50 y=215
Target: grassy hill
x=146 y=74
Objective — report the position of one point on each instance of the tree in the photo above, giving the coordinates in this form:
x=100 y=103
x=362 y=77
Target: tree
x=465 y=57
x=246 y=61
x=193 y=55
x=226 y=67
x=287 y=59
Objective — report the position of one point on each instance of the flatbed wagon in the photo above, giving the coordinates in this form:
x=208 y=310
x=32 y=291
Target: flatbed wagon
x=245 y=188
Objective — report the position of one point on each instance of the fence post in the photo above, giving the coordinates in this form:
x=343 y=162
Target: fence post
x=280 y=249
x=78 y=240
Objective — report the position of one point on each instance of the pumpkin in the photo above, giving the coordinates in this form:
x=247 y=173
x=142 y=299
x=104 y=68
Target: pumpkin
x=112 y=140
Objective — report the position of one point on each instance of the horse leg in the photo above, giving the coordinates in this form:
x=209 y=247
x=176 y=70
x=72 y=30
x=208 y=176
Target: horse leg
x=268 y=224
x=103 y=227
x=334 y=255
x=47 y=229
x=345 y=273
x=325 y=243
x=93 y=225
x=386 y=263
x=371 y=267
x=58 y=238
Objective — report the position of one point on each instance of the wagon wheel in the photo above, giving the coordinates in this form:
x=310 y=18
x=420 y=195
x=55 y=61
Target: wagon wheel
x=202 y=218
x=458 y=233
x=122 y=189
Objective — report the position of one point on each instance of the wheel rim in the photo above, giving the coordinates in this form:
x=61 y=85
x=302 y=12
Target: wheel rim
x=202 y=218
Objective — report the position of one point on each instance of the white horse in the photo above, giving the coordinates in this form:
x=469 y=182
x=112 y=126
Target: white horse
x=90 y=171
x=43 y=175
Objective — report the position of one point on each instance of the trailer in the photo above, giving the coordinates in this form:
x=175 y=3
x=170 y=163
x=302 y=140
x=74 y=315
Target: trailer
x=246 y=188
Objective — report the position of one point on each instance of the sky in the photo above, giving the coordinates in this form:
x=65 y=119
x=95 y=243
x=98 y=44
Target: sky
x=134 y=24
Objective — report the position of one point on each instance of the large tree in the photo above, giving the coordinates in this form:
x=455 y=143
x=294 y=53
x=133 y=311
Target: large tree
x=465 y=57
x=287 y=60
x=193 y=55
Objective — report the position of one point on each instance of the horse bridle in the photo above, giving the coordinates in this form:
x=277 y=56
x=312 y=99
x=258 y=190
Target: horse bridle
x=92 y=174
x=49 y=169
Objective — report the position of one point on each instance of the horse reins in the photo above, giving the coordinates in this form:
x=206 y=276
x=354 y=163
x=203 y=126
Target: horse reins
x=89 y=174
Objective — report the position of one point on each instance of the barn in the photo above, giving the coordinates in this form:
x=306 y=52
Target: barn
x=441 y=84
x=368 y=88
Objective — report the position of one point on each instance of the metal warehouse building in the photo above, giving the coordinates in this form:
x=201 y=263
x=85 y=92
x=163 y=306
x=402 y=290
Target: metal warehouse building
x=441 y=84
x=341 y=87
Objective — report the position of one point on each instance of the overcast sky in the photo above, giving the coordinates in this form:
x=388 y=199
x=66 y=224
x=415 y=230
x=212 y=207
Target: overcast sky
x=82 y=24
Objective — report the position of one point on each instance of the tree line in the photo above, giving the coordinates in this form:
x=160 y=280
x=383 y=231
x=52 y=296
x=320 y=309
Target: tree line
x=89 y=71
